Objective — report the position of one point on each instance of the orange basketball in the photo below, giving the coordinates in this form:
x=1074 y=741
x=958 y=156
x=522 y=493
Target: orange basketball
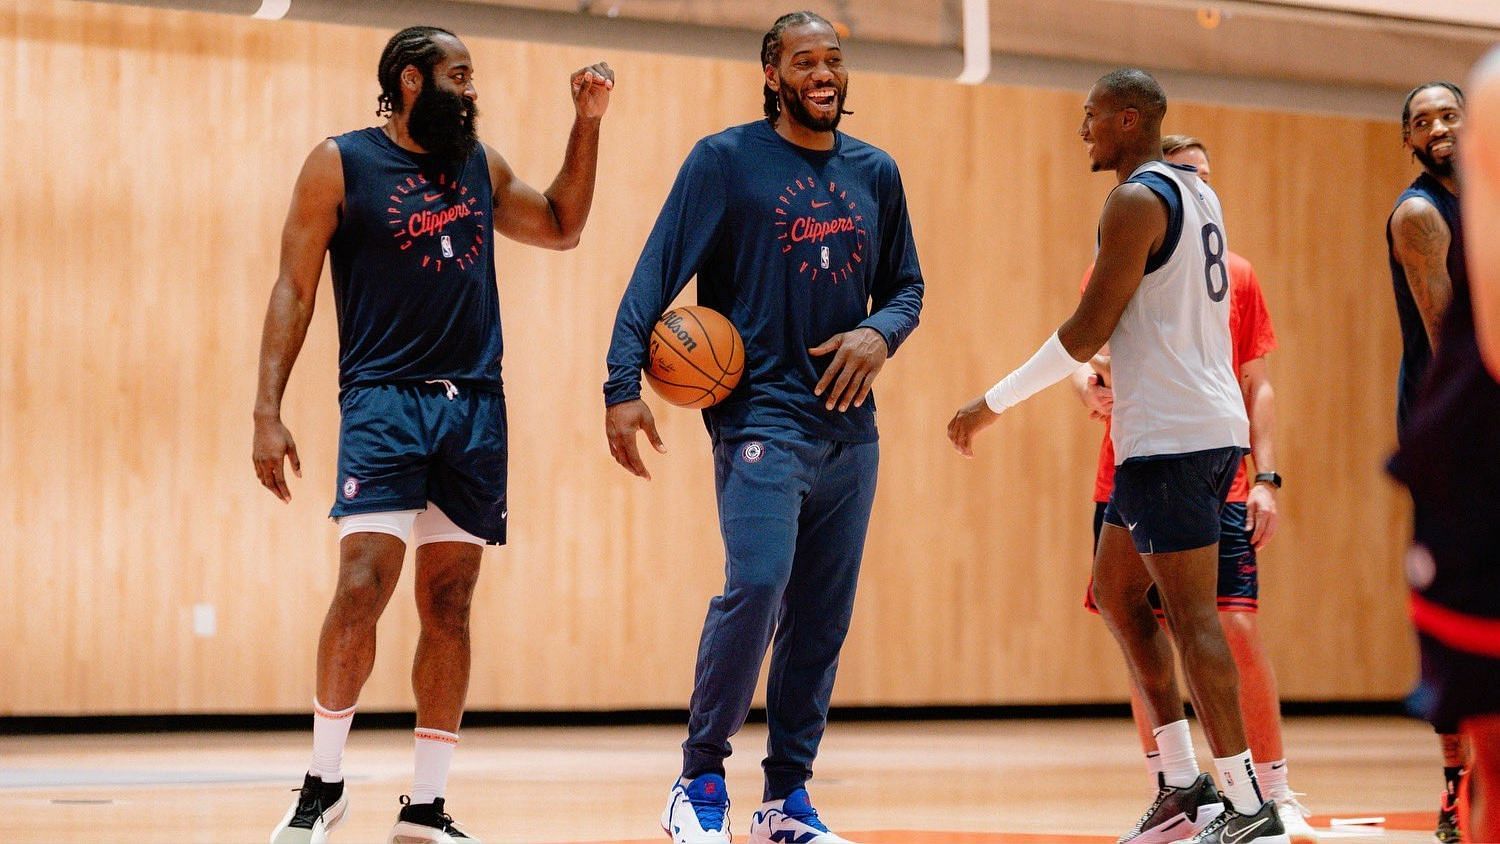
x=696 y=357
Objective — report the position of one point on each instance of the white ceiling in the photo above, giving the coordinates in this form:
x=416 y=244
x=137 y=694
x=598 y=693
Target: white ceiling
x=1471 y=12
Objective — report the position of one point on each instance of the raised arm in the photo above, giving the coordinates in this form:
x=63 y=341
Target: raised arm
x=554 y=219
x=1421 y=238
x=310 y=224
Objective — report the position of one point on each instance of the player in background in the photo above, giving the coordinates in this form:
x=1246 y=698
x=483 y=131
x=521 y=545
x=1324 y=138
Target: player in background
x=1425 y=255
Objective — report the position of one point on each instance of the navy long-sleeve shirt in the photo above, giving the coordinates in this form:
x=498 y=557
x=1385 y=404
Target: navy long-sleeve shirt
x=793 y=245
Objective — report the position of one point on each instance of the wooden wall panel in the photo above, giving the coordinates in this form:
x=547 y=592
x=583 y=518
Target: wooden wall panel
x=149 y=158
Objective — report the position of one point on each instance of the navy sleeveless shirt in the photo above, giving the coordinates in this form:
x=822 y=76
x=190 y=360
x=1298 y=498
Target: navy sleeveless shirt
x=1416 y=351
x=1450 y=459
x=413 y=267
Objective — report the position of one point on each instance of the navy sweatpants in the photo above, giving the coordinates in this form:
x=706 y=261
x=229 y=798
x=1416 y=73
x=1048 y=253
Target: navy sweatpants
x=793 y=512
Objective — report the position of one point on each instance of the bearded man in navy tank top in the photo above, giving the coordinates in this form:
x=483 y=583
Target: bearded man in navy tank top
x=798 y=233
x=407 y=212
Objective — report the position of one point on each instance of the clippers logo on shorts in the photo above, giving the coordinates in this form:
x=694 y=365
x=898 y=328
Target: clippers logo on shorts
x=822 y=231
x=428 y=218
x=351 y=488
x=753 y=452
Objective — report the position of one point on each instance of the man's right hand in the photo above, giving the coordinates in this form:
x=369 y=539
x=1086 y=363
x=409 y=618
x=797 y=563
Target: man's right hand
x=273 y=446
x=621 y=421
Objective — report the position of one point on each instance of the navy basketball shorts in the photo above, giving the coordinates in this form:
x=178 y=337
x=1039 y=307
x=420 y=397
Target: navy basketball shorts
x=1173 y=502
x=1239 y=577
x=403 y=445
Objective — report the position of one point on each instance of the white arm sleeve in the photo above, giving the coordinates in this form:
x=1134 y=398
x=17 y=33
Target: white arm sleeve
x=1049 y=365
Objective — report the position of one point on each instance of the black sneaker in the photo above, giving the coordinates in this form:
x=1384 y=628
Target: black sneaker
x=1447 y=824
x=427 y=823
x=319 y=808
x=1177 y=812
x=1263 y=827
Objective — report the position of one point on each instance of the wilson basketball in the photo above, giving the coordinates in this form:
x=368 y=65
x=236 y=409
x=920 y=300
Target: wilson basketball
x=696 y=357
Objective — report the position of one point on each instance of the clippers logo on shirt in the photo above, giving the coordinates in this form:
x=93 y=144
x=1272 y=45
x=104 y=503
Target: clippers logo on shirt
x=429 y=219
x=821 y=230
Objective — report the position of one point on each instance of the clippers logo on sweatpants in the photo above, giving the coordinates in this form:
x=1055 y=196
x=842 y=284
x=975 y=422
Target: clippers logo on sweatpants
x=351 y=487
x=753 y=452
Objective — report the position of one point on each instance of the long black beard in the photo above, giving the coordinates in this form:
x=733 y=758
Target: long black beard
x=791 y=105
x=438 y=124
x=1443 y=169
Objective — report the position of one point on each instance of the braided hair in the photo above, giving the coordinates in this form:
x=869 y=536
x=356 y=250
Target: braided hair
x=414 y=45
x=1457 y=92
x=770 y=51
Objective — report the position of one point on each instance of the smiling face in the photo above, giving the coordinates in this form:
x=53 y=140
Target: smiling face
x=810 y=79
x=1102 y=130
x=1432 y=129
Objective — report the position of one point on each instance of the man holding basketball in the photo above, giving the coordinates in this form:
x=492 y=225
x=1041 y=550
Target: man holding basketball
x=799 y=234
x=1159 y=297
x=407 y=212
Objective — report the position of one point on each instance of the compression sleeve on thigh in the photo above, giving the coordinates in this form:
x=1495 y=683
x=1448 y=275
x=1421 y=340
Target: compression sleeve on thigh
x=1049 y=365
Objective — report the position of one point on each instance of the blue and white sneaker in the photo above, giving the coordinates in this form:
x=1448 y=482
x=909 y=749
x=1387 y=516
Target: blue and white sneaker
x=791 y=821
x=698 y=812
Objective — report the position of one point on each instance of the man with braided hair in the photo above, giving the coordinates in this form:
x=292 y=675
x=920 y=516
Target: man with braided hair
x=407 y=212
x=799 y=234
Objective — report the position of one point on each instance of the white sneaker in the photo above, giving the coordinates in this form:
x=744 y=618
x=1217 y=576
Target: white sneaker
x=319 y=808
x=793 y=819
x=1294 y=817
x=698 y=813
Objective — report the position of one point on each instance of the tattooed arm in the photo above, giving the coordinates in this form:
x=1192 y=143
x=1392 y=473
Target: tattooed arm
x=1421 y=238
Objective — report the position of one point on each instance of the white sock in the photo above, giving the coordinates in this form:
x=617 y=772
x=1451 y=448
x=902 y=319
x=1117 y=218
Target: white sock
x=1237 y=781
x=1179 y=765
x=1272 y=777
x=434 y=755
x=330 y=733
x=1153 y=764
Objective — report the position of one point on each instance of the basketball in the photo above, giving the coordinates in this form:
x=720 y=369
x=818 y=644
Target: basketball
x=696 y=357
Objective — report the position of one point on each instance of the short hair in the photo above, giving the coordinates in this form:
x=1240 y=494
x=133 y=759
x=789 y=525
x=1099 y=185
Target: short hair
x=770 y=50
x=1412 y=95
x=1134 y=88
x=1172 y=144
x=413 y=45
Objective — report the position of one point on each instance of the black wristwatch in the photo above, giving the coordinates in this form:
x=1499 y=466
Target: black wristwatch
x=1268 y=478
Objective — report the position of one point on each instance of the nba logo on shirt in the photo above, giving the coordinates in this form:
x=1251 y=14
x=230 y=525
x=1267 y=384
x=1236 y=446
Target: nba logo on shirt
x=825 y=257
x=448 y=247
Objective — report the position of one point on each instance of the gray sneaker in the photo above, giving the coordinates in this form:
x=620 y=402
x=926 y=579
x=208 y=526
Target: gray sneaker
x=1231 y=827
x=1177 y=813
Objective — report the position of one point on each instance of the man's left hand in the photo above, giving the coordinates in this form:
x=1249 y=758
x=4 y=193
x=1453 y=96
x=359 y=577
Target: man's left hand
x=591 y=87
x=1260 y=515
x=858 y=356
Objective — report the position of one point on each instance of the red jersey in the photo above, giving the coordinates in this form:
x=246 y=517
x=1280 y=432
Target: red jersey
x=1251 y=334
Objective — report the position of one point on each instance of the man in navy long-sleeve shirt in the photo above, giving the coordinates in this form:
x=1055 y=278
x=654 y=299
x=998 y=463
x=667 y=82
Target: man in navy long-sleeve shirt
x=799 y=235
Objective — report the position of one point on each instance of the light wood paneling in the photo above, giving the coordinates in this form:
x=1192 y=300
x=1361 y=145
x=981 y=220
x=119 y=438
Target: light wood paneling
x=149 y=158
